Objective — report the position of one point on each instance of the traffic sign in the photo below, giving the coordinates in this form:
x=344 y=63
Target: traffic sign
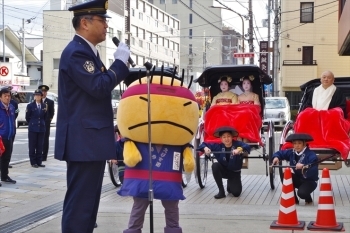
x=4 y=71
x=243 y=55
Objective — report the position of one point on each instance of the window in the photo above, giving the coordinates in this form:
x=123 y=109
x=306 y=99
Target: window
x=306 y=12
x=166 y=43
x=175 y=16
x=227 y=58
x=111 y=32
x=132 y=40
x=190 y=33
x=190 y=18
x=161 y=1
x=165 y=28
x=191 y=4
x=190 y=48
x=133 y=12
x=141 y=16
x=141 y=43
x=174 y=1
x=148 y=9
x=142 y=33
x=119 y=33
x=154 y=13
x=56 y=63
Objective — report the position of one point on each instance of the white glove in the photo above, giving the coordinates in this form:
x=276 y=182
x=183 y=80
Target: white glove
x=122 y=53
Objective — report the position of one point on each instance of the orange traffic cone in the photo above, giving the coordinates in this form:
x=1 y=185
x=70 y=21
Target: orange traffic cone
x=287 y=217
x=325 y=220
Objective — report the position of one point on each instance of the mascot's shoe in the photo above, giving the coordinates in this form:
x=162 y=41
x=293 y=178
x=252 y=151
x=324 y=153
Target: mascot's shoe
x=220 y=195
x=172 y=230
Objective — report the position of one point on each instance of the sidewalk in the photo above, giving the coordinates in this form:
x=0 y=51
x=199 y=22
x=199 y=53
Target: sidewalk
x=34 y=204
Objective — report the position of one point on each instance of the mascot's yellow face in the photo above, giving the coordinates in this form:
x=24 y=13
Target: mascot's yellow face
x=174 y=112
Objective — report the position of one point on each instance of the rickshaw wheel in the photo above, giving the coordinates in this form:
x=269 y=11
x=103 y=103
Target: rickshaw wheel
x=271 y=135
x=114 y=174
x=201 y=167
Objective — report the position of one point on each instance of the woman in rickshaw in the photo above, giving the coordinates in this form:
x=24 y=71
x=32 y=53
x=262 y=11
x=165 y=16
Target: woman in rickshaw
x=248 y=96
x=225 y=96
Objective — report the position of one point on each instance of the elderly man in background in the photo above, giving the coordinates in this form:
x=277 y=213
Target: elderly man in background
x=327 y=95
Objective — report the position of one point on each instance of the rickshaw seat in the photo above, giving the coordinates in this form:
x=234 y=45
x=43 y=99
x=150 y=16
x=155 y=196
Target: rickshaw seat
x=245 y=118
x=328 y=128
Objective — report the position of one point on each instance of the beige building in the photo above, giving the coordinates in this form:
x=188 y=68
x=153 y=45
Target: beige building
x=308 y=45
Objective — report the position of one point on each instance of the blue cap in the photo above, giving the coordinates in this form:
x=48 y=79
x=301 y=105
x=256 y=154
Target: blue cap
x=38 y=92
x=96 y=7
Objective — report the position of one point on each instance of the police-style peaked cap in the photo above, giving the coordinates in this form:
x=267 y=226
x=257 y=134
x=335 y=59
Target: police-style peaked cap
x=43 y=87
x=96 y=7
x=38 y=92
x=225 y=129
x=299 y=136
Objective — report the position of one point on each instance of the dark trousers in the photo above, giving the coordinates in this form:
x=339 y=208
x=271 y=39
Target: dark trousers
x=137 y=216
x=35 y=141
x=305 y=187
x=233 y=179
x=46 y=140
x=84 y=184
x=5 y=158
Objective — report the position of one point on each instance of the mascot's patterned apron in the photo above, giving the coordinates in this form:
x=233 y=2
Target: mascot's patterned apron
x=167 y=165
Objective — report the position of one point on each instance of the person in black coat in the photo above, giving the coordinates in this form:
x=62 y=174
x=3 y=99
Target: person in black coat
x=35 y=116
x=298 y=157
x=49 y=115
x=230 y=161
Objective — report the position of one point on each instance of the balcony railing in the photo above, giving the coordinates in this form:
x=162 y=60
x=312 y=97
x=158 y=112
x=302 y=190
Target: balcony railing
x=299 y=62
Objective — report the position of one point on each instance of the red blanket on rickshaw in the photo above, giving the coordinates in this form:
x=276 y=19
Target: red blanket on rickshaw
x=328 y=128
x=245 y=118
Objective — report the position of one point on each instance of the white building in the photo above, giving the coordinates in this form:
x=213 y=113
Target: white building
x=11 y=72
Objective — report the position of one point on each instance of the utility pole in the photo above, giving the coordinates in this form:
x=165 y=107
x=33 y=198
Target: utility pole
x=24 y=67
x=205 y=52
x=3 y=32
x=268 y=42
x=275 y=51
x=250 y=31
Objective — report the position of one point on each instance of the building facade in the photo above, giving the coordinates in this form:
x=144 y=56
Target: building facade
x=308 y=45
x=200 y=32
x=344 y=28
x=231 y=43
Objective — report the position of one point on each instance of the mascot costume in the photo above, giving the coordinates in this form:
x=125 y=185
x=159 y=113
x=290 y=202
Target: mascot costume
x=173 y=123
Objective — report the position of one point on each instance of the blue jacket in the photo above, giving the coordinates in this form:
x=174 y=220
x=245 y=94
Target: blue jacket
x=7 y=121
x=235 y=162
x=307 y=157
x=36 y=118
x=84 y=127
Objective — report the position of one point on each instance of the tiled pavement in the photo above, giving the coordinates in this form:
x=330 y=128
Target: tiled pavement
x=34 y=204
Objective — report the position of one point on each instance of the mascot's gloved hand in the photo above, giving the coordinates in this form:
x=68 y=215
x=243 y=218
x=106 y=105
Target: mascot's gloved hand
x=131 y=154
x=188 y=160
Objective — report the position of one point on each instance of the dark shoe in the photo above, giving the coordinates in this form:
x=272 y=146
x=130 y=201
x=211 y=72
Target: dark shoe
x=220 y=195
x=34 y=165
x=308 y=200
x=44 y=160
x=41 y=165
x=0 y=184
x=296 y=201
x=95 y=225
x=10 y=166
x=8 y=180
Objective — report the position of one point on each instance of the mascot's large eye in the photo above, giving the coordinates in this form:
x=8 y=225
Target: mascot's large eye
x=188 y=103
x=143 y=98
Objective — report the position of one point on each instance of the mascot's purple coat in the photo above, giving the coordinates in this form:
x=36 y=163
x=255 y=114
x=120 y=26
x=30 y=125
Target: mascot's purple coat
x=167 y=166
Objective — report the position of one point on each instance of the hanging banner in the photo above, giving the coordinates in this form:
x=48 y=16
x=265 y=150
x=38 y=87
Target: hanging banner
x=5 y=73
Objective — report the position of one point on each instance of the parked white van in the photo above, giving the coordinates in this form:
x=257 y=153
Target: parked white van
x=23 y=98
x=277 y=110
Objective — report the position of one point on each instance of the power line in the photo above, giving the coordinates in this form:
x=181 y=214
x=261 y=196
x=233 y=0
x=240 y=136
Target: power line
x=309 y=7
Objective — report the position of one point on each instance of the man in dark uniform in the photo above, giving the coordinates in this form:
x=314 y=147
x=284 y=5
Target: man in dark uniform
x=84 y=129
x=49 y=115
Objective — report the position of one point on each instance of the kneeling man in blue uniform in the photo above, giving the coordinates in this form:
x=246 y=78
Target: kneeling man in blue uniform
x=85 y=130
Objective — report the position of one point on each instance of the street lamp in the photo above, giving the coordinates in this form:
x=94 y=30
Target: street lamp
x=241 y=16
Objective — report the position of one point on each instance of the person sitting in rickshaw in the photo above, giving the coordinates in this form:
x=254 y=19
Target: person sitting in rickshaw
x=327 y=95
x=248 y=96
x=225 y=96
x=230 y=160
x=298 y=157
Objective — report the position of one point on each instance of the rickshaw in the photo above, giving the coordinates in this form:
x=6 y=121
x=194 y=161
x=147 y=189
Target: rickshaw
x=135 y=74
x=331 y=144
x=228 y=114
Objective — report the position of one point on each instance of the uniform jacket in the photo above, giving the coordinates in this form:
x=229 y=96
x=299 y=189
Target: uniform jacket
x=7 y=121
x=36 y=118
x=50 y=109
x=15 y=105
x=84 y=127
x=306 y=158
x=235 y=162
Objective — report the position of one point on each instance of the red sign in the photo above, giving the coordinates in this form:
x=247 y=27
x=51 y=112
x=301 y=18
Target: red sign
x=243 y=55
x=4 y=71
